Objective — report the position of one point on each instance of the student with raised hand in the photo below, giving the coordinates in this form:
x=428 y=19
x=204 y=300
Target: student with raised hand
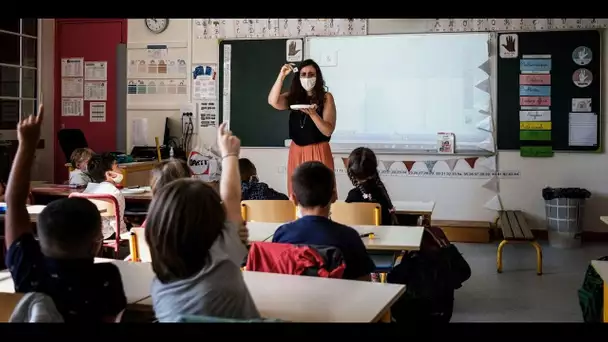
x=313 y=192
x=362 y=170
x=193 y=236
x=61 y=264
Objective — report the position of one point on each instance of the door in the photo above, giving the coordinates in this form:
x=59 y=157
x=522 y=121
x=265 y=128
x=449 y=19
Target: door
x=95 y=40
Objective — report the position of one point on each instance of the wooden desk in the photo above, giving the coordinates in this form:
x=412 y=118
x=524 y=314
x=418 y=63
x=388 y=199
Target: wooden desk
x=33 y=210
x=601 y=267
x=137 y=173
x=136 y=279
x=386 y=238
x=321 y=300
x=56 y=190
x=414 y=208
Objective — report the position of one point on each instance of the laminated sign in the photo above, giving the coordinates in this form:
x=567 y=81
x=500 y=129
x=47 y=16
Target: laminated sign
x=204 y=165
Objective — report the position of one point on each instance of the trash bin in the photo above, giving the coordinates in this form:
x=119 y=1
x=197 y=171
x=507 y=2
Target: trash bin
x=564 y=214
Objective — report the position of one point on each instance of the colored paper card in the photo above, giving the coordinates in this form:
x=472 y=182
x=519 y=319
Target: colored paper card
x=535 y=125
x=535 y=101
x=534 y=115
x=528 y=90
x=536 y=151
x=535 y=135
x=535 y=66
x=535 y=79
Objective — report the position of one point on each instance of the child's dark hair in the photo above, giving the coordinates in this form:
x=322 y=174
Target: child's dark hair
x=247 y=169
x=184 y=219
x=69 y=227
x=168 y=171
x=79 y=155
x=97 y=167
x=313 y=184
x=363 y=173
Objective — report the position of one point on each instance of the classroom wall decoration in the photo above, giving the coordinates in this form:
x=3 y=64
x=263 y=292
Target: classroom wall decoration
x=276 y=28
x=519 y=24
x=550 y=85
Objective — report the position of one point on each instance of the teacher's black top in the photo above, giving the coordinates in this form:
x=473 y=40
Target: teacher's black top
x=303 y=131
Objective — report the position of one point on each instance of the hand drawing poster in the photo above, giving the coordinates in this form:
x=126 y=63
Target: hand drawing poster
x=294 y=50
x=508 y=46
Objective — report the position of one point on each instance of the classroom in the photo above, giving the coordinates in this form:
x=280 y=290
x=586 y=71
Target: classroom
x=485 y=139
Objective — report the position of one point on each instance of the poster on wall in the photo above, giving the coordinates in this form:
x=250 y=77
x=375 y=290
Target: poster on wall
x=72 y=67
x=204 y=80
x=96 y=71
x=72 y=107
x=97 y=112
x=207 y=113
x=71 y=87
x=95 y=91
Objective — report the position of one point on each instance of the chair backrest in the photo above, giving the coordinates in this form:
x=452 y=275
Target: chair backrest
x=362 y=213
x=138 y=242
x=106 y=203
x=276 y=211
x=71 y=139
x=8 y=302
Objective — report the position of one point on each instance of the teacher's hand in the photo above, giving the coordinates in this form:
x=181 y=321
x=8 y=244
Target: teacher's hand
x=286 y=70
x=309 y=111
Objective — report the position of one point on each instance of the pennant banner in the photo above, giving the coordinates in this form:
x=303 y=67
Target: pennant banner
x=491 y=184
x=451 y=163
x=409 y=165
x=387 y=164
x=483 y=107
x=485 y=67
x=471 y=161
x=345 y=161
x=430 y=164
x=484 y=85
x=489 y=163
x=488 y=144
x=486 y=124
x=494 y=204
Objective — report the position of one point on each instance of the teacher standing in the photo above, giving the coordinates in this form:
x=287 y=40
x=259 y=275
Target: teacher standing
x=310 y=129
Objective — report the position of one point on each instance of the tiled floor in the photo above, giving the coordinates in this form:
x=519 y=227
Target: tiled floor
x=518 y=294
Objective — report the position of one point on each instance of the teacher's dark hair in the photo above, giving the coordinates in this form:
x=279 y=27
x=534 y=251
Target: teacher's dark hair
x=297 y=94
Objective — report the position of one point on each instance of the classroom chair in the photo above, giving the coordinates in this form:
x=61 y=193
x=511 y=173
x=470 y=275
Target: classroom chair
x=8 y=302
x=70 y=139
x=277 y=211
x=109 y=207
x=359 y=214
x=356 y=214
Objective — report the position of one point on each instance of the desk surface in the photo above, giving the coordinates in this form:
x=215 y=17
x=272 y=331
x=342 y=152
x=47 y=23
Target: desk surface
x=601 y=267
x=298 y=299
x=64 y=191
x=414 y=207
x=387 y=238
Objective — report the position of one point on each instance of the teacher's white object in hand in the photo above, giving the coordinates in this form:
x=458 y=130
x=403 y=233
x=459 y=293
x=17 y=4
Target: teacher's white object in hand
x=301 y=106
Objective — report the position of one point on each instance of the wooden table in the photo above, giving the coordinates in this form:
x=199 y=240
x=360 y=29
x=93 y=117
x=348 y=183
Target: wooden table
x=601 y=267
x=414 y=208
x=137 y=173
x=386 y=238
x=56 y=190
x=321 y=300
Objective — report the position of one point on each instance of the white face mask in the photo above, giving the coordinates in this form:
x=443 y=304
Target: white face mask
x=308 y=83
x=117 y=177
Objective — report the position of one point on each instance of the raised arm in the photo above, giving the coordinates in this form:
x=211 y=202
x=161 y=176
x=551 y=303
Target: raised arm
x=230 y=182
x=18 y=186
x=275 y=98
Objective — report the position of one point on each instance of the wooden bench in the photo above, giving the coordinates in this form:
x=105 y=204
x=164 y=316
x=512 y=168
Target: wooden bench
x=515 y=230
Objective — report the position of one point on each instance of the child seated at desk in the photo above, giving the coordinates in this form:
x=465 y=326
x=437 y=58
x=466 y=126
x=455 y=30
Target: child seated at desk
x=314 y=192
x=252 y=188
x=61 y=263
x=192 y=233
x=363 y=173
x=104 y=181
x=79 y=160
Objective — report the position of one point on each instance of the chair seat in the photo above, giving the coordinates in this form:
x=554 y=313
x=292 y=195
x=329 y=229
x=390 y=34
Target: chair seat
x=384 y=262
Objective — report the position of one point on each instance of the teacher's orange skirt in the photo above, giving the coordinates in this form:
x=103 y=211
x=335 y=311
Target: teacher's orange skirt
x=300 y=154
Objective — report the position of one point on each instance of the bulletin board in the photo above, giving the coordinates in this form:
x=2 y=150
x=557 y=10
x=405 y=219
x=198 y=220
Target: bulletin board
x=549 y=92
x=157 y=74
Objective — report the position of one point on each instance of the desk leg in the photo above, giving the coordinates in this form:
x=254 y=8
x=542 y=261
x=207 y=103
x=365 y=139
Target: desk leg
x=386 y=318
x=605 y=305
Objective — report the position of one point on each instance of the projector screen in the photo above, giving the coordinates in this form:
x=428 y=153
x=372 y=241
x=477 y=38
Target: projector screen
x=396 y=92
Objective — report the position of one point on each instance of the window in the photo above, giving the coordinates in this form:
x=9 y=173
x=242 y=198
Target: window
x=18 y=69
x=396 y=92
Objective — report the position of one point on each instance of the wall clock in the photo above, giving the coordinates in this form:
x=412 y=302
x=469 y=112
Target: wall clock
x=156 y=25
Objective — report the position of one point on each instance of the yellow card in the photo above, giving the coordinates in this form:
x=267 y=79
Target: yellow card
x=535 y=125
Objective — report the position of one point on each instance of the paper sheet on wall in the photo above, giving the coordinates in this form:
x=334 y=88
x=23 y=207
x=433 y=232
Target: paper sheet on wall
x=72 y=67
x=139 y=132
x=72 y=87
x=157 y=51
x=96 y=71
x=582 y=130
x=204 y=81
x=97 y=112
x=208 y=113
x=95 y=91
x=72 y=107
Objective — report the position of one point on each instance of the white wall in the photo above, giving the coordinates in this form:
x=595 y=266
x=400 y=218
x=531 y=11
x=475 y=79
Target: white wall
x=456 y=199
